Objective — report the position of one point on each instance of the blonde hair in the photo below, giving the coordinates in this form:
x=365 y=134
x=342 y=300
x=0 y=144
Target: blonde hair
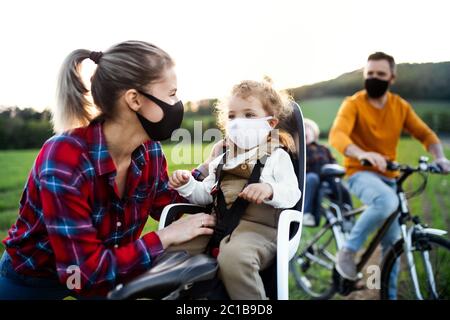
x=313 y=125
x=127 y=65
x=276 y=104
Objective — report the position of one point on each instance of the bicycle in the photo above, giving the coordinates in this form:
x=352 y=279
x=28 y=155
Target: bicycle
x=424 y=250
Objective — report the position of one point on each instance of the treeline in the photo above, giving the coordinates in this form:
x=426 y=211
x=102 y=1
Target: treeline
x=24 y=128
x=438 y=121
x=419 y=81
x=29 y=129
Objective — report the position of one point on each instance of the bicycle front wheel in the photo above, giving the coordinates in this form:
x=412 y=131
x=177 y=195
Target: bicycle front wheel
x=431 y=255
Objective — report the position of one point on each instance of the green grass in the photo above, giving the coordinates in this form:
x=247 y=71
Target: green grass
x=16 y=165
x=433 y=206
x=324 y=110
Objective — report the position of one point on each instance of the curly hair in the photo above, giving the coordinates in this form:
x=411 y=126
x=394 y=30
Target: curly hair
x=276 y=104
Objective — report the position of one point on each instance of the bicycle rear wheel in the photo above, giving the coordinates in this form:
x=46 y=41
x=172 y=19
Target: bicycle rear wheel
x=438 y=249
x=312 y=267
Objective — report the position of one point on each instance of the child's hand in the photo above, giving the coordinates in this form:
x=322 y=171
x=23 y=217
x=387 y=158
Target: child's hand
x=179 y=178
x=257 y=192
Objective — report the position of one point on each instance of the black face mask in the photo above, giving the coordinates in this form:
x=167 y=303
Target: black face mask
x=375 y=87
x=171 y=120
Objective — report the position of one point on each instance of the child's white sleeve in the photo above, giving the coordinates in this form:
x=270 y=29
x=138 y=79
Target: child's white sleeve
x=199 y=192
x=279 y=173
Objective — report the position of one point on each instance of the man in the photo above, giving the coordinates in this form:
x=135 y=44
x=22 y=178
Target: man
x=368 y=126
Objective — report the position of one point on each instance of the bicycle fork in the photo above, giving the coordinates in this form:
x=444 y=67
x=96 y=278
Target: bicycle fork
x=407 y=245
x=430 y=275
x=407 y=248
x=426 y=258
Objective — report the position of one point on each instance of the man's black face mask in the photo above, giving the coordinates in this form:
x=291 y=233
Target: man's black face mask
x=376 y=88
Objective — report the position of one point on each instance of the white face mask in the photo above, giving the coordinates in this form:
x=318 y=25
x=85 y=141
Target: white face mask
x=248 y=133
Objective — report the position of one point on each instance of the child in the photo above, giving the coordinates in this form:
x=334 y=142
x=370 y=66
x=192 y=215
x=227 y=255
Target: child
x=317 y=155
x=253 y=111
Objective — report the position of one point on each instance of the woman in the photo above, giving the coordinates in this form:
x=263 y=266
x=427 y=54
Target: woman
x=92 y=187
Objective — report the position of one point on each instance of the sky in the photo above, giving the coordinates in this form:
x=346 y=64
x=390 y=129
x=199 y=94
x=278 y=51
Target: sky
x=215 y=44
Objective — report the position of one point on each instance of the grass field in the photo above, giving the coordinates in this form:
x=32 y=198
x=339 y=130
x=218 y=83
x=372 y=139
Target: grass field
x=15 y=167
x=323 y=110
x=433 y=205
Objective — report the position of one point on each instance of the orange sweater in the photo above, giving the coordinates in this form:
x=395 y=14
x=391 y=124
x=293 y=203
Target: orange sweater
x=377 y=130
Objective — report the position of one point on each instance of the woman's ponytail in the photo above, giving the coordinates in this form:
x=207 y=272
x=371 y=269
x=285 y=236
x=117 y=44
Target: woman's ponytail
x=72 y=107
x=129 y=64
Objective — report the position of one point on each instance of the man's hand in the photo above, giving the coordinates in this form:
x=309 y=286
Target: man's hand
x=376 y=159
x=257 y=192
x=437 y=150
x=179 y=178
x=444 y=164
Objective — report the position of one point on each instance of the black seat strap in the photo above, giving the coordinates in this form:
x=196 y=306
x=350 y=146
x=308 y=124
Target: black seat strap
x=228 y=219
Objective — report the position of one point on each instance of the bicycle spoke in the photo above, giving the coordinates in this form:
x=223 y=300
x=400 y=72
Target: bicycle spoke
x=313 y=268
x=429 y=273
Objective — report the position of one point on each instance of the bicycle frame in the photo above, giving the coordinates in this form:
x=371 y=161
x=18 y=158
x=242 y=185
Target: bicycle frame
x=409 y=235
x=333 y=223
x=406 y=234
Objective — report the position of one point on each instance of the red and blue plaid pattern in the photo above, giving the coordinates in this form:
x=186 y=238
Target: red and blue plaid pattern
x=71 y=214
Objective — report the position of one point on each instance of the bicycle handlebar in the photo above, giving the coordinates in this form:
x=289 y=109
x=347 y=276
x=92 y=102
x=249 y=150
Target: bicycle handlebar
x=423 y=166
x=422 y=169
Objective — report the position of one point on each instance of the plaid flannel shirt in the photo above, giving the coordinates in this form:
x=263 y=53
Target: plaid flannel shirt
x=71 y=214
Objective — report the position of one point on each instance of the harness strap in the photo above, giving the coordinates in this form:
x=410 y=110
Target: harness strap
x=228 y=219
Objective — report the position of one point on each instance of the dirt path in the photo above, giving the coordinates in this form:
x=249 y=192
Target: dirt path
x=368 y=294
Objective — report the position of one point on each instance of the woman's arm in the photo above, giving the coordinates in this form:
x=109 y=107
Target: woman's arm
x=76 y=242
x=164 y=195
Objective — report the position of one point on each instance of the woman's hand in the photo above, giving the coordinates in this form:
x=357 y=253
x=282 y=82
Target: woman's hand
x=179 y=178
x=257 y=192
x=187 y=228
